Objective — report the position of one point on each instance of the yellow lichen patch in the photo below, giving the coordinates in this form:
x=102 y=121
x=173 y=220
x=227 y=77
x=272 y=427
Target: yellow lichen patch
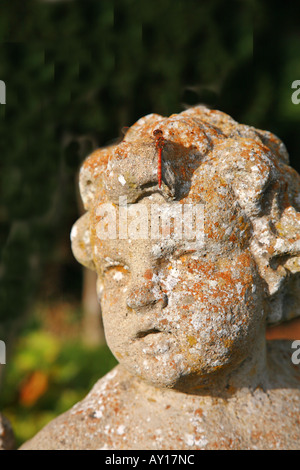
x=192 y=340
x=118 y=355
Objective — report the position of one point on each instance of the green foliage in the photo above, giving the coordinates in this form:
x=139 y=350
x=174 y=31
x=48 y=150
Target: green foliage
x=67 y=370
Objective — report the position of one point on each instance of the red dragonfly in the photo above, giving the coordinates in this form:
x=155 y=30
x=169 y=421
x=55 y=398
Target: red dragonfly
x=160 y=142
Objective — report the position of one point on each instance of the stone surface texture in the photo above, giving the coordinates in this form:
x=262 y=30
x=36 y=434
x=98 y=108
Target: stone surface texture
x=186 y=317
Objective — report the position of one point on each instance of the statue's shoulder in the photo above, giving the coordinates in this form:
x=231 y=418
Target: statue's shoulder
x=85 y=425
x=121 y=412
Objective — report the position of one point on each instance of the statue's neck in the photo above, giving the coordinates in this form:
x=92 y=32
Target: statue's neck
x=250 y=373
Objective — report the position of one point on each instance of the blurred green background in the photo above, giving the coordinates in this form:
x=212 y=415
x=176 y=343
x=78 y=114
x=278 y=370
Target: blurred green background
x=76 y=72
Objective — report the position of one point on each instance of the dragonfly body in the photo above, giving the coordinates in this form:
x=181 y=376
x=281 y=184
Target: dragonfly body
x=159 y=143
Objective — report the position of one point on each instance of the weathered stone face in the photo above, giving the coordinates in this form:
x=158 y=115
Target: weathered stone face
x=175 y=310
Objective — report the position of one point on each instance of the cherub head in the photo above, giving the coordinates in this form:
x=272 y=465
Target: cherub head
x=177 y=308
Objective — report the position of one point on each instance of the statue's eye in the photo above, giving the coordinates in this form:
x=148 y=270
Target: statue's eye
x=183 y=253
x=116 y=272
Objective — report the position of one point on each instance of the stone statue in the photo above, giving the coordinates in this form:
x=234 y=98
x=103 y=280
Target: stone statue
x=186 y=301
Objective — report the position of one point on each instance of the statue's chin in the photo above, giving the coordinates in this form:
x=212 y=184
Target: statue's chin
x=182 y=378
x=183 y=383
x=175 y=379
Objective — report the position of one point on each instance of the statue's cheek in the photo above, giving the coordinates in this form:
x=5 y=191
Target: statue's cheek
x=81 y=242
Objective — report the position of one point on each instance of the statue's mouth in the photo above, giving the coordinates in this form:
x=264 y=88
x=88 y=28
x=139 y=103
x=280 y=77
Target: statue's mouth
x=144 y=333
x=154 y=341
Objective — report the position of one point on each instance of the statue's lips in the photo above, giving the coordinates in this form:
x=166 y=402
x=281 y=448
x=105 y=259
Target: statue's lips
x=150 y=328
x=154 y=341
x=151 y=331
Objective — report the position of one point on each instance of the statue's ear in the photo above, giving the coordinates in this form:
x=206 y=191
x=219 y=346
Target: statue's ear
x=81 y=242
x=284 y=263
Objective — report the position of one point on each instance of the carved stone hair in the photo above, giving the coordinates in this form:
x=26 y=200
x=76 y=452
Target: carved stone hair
x=252 y=164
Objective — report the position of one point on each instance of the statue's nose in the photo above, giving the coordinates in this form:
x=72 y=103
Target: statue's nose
x=145 y=295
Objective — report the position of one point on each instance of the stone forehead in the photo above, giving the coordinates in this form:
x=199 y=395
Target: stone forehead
x=225 y=226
